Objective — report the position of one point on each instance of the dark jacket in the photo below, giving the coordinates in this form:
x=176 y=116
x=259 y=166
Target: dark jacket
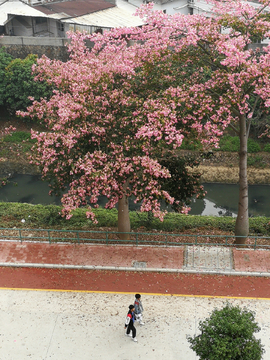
x=130 y=319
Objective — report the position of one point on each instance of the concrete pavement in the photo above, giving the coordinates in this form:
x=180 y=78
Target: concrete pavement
x=43 y=325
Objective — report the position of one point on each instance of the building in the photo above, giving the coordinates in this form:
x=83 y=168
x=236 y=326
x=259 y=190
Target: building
x=50 y=18
x=43 y=18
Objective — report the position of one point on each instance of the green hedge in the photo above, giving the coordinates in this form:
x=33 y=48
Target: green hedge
x=48 y=217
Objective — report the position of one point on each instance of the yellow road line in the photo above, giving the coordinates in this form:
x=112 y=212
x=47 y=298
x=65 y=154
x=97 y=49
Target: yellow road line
x=127 y=293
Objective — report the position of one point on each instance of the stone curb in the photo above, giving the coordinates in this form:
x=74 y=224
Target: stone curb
x=122 y=268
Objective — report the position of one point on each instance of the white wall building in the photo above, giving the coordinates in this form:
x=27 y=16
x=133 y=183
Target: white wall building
x=45 y=18
x=167 y=6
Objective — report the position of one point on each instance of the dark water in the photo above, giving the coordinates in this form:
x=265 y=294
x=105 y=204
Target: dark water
x=221 y=199
x=27 y=189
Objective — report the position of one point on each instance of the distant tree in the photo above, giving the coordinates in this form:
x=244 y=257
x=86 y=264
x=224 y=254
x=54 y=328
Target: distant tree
x=228 y=334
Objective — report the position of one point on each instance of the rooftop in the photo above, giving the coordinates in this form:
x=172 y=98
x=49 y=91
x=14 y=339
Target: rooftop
x=109 y=18
x=74 y=8
x=15 y=7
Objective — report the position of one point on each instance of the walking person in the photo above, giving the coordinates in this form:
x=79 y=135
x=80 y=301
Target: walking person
x=138 y=308
x=129 y=324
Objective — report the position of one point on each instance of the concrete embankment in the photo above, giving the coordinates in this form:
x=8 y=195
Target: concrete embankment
x=230 y=175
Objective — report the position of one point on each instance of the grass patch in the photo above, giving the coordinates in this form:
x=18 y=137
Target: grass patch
x=19 y=137
x=256 y=161
x=18 y=142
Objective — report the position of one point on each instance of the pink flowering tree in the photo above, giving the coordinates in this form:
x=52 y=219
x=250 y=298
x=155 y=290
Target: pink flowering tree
x=109 y=129
x=133 y=97
x=227 y=74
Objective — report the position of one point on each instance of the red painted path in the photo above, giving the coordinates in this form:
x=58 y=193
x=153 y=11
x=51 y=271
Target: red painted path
x=144 y=282
x=126 y=281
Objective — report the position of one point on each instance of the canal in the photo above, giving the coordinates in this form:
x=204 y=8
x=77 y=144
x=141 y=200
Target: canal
x=220 y=200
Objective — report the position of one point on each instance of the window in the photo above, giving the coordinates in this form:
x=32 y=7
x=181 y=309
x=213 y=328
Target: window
x=60 y=26
x=40 y=20
x=99 y=31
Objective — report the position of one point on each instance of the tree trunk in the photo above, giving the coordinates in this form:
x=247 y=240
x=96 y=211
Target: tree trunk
x=242 y=221
x=123 y=218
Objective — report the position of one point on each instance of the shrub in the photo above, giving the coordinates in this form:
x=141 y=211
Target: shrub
x=47 y=216
x=259 y=225
x=253 y=146
x=52 y=216
x=266 y=148
x=229 y=143
x=232 y=144
x=191 y=145
x=228 y=334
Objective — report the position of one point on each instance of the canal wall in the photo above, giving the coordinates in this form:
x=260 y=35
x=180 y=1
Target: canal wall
x=230 y=175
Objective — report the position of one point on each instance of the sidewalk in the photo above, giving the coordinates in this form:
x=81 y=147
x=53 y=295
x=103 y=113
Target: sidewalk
x=189 y=259
x=49 y=325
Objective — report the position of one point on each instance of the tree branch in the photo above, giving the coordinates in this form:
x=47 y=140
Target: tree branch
x=253 y=109
x=234 y=129
x=261 y=10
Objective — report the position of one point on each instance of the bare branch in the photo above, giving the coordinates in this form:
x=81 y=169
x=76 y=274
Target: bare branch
x=250 y=120
x=261 y=10
x=234 y=129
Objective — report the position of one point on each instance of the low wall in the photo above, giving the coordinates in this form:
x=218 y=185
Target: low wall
x=33 y=41
x=20 y=46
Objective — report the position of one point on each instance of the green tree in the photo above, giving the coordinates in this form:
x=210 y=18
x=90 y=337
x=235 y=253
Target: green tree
x=228 y=334
x=184 y=182
x=5 y=60
x=20 y=85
